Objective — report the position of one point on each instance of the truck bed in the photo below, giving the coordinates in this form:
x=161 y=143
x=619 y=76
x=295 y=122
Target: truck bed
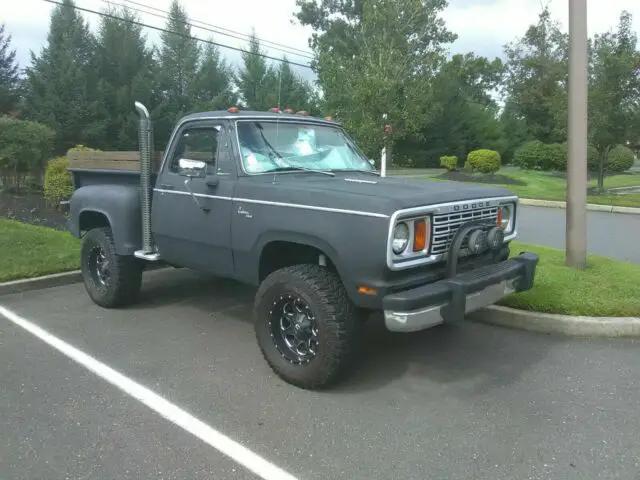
x=83 y=177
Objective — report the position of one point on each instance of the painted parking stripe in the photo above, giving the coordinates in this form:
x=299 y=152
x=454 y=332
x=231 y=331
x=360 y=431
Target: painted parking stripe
x=232 y=449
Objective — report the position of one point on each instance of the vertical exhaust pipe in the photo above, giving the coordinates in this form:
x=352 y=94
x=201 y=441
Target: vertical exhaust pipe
x=145 y=133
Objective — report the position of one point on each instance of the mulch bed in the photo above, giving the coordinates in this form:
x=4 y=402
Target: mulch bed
x=468 y=176
x=31 y=208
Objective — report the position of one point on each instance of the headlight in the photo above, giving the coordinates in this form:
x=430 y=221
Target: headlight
x=400 y=238
x=505 y=217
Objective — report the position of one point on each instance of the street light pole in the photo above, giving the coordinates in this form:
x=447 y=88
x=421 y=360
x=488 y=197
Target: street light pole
x=576 y=227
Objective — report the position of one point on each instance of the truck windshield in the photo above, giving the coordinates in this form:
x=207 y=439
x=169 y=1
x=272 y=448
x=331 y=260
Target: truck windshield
x=280 y=145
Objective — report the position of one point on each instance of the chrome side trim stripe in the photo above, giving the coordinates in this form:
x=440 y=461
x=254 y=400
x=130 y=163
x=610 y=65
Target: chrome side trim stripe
x=278 y=204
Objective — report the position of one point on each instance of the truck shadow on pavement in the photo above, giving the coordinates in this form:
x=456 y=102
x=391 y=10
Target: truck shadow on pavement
x=471 y=358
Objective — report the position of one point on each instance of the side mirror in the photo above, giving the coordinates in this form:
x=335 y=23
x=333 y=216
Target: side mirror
x=192 y=168
x=372 y=162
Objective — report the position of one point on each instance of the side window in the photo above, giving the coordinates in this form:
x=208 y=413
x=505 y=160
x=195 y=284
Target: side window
x=197 y=143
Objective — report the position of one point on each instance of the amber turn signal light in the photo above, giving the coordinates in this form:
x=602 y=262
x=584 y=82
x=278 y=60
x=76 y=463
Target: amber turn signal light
x=420 y=235
x=364 y=290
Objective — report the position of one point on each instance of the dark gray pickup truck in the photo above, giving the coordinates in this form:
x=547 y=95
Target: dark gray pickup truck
x=290 y=204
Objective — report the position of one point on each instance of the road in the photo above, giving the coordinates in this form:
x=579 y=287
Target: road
x=464 y=402
x=615 y=235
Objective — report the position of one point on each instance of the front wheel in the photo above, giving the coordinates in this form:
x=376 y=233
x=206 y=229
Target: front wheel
x=306 y=326
x=111 y=280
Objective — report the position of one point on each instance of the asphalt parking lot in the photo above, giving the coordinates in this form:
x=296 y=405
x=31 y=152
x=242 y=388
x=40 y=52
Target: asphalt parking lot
x=463 y=402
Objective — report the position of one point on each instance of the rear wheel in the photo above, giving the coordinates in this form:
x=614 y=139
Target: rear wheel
x=111 y=280
x=306 y=326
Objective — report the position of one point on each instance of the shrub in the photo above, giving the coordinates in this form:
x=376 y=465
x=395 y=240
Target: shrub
x=58 y=185
x=24 y=146
x=619 y=159
x=555 y=158
x=530 y=155
x=57 y=181
x=449 y=162
x=484 y=161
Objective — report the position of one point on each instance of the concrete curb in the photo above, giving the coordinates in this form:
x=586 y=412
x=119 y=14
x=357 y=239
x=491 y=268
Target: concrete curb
x=606 y=327
x=37 y=283
x=55 y=280
x=590 y=206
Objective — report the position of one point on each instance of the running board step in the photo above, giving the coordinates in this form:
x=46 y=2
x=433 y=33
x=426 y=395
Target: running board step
x=148 y=256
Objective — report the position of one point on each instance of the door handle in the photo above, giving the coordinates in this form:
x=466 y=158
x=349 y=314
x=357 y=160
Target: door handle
x=166 y=187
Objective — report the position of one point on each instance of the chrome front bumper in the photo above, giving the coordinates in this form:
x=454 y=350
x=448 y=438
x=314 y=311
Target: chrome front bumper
x=449 y=300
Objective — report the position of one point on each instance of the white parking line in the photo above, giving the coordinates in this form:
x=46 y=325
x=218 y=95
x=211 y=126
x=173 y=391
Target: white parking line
x=232 y=449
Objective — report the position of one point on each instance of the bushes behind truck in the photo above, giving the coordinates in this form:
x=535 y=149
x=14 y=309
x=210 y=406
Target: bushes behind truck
x=58 y=185
x=483 y=161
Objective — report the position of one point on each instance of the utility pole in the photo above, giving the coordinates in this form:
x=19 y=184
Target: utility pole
x=576 y=228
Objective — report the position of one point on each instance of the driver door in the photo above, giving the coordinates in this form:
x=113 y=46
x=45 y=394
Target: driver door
x=192 y=211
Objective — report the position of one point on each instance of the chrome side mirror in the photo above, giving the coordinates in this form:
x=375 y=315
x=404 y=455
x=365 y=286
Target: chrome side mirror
x=192 y=168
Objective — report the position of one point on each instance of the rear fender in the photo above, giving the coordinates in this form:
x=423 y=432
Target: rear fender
x=116 y=206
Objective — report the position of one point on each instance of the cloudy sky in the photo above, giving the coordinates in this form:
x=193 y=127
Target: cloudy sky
x=483 y=26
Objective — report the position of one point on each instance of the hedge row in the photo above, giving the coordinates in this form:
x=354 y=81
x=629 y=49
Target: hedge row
x=483 y=161
x=536 y=155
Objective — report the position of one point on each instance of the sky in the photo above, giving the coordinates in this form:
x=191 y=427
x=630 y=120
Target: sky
x=483 y=26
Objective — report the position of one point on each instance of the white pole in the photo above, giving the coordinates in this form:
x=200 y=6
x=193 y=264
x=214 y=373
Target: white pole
x=383 y=163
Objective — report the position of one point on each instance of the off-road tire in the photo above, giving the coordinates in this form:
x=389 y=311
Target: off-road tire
x=125 y=271
x=338 y=321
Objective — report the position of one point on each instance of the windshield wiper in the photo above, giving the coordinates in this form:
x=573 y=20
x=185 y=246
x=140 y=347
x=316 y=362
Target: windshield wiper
x=370 y=172
x=292 y=168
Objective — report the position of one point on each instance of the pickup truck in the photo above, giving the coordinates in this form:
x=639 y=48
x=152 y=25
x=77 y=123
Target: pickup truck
x=290 y=204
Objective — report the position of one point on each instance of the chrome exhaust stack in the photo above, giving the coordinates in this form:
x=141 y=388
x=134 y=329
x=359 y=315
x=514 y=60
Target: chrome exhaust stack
x=145 y=132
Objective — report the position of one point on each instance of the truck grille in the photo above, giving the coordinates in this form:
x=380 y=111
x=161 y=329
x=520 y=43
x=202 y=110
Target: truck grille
x=446 y=225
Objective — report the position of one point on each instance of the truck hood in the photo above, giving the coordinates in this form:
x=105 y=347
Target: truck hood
x=408 y=192
x=360 y=192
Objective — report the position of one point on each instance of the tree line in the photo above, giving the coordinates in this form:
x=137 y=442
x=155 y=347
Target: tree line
x=376 y=63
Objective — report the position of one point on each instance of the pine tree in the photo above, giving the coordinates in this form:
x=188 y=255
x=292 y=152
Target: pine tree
x=61 y=80
x=179 y=59
x=256 y=81
x=125 y=67
x=292 y=90
x=214 y=90
x=9 y=79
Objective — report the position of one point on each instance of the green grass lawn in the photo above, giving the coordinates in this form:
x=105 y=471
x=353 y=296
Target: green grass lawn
x=29 y=251
x=544 y=186
x=606 y=288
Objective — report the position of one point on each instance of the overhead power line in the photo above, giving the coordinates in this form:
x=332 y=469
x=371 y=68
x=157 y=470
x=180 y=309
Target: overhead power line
x=164 y=30
x=217 y=29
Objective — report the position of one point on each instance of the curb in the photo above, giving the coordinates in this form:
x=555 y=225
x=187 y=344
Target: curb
x=53 y=280
x=577 y=326
x=594 y=207
x=37 y=283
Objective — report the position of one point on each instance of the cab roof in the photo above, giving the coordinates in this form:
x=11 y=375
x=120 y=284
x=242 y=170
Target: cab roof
x=251 y=114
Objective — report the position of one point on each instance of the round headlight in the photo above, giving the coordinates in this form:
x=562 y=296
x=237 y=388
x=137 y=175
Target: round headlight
x=400 y=238
x=504 y=217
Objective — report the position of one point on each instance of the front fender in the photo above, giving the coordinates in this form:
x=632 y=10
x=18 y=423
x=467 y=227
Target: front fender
x=302 y=239
x=120 y=206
